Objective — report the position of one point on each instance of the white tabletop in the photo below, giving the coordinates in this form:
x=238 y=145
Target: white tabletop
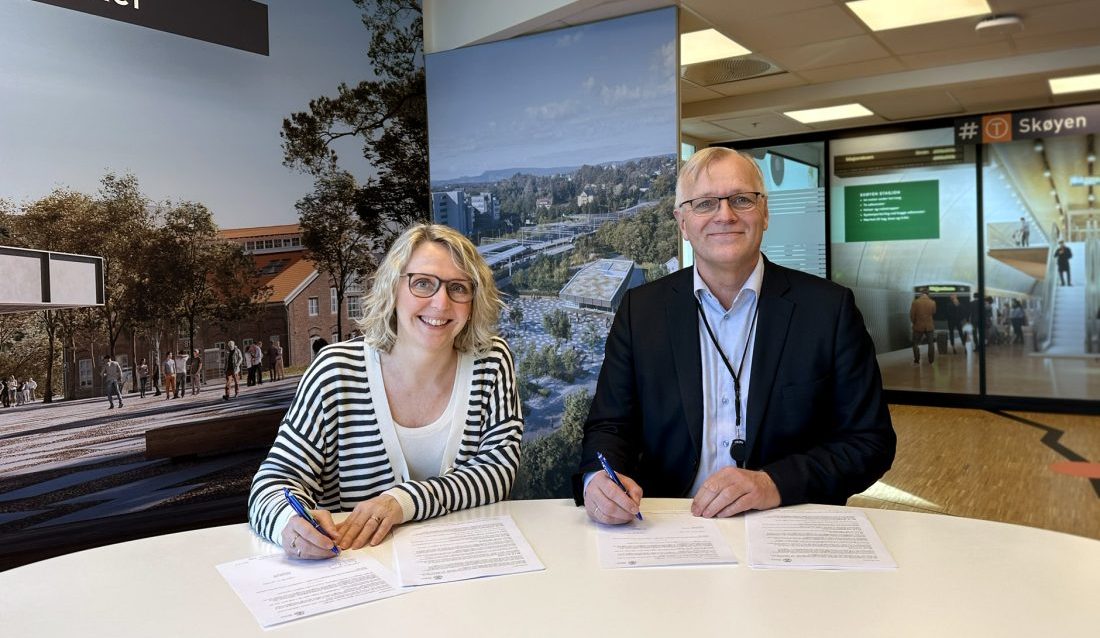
x=955 y=577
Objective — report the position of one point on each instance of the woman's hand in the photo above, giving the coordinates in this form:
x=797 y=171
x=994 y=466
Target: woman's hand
x=369 y=522
x=300 y=540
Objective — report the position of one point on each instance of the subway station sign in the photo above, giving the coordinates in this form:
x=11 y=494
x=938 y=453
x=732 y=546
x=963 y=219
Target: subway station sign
x=1028 y=125
x=240 y=24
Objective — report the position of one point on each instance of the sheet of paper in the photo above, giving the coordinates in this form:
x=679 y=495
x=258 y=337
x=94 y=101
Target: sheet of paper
x=442 y=551
x=663 y=538
x=826 y=539
x=277 y=589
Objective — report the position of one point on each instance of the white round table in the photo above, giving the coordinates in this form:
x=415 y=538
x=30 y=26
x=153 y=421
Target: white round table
x=955 y=577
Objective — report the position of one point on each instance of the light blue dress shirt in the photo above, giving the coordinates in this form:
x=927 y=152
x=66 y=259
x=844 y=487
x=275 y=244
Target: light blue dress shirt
x=735 y=330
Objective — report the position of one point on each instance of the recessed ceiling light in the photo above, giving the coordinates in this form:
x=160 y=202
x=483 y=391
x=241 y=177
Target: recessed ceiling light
x=1038 y=147
x=706 y=45
x=880 y=15
x=840 y=112
x=1075 y=84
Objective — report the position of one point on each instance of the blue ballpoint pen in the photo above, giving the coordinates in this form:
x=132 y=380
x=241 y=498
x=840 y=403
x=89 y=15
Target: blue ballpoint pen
x=614 y=477
x=300 y=510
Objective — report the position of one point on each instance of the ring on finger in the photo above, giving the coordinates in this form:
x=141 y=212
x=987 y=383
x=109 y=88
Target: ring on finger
x=293 y=543
x=375 y=519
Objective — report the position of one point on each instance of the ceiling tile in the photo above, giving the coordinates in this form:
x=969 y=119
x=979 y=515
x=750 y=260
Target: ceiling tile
x=912 y=104
x=933 y=37
x=707 y=131
x=694 y=93
x=792 y=29
x=859 y=48
x=757 y=85
x=870 y=120
x=854 y=70
x=1001 y=49
x=1026 y=42
x=1060 y=18
x=763 y=125
x=721 y=9
x=1003 y=96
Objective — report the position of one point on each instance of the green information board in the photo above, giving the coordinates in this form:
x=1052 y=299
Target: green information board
x=887 y=212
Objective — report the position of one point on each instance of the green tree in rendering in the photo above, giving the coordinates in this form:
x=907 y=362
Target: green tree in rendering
x=388 y=115
x=336 y=238
x=549 y=461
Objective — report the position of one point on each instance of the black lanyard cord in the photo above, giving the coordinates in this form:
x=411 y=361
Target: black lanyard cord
x=737 y=448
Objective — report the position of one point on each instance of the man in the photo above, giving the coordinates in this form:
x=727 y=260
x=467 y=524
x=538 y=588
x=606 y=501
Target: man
x=233 y=358
x=921 y=313
x=804 y=421
x=169 y=376
x=194 y=370
x=181 y=374
x=112 y=377
x=256 y=371
x=1063 y=254
x=1025 y=232
x=957 y=314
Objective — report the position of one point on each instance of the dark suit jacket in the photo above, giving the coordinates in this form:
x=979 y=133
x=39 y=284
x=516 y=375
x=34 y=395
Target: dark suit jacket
x=816 y=419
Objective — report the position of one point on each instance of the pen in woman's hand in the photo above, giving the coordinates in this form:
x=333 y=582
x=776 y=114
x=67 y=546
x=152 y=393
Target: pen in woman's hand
x=300 y=510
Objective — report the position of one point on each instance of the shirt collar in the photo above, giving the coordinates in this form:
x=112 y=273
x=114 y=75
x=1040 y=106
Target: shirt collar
x=753 y=283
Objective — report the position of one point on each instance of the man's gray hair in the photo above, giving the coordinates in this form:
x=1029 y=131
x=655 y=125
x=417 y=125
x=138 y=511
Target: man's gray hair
x=701 y=161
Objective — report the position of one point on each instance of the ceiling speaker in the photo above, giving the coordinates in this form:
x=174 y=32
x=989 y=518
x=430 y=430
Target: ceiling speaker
x=728 y=70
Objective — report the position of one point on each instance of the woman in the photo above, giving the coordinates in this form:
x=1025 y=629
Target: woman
x=418 y=417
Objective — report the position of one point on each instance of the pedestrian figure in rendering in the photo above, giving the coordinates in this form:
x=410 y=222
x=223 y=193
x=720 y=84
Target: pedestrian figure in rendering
x=275 y=360
x=1063 y=254
x=143 y=377
x=233 y=359
x=112 y=377
x=32 y=385
x=169 y=376
x=194 y=370
x=256 y=370
x=181 y=374
x=921 y=312
x=1025 y=232
x=957 y=315
x=1017 y=317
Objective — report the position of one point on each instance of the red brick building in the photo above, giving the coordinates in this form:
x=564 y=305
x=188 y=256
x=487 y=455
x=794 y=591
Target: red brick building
x=300 y=309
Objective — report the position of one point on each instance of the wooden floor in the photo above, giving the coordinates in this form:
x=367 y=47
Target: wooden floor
x=1011 y=370
x=993 y=466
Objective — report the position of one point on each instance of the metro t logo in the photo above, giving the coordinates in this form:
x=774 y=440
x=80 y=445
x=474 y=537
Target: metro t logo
x=126 y=3
x=997 y=128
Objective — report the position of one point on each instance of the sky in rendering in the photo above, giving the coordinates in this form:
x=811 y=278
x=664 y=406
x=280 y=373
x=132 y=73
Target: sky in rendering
x=84 y=95
x=590 y=94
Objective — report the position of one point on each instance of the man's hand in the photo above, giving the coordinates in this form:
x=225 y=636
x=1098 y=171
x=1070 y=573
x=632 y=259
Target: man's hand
x=606 y=503
x=732 y=490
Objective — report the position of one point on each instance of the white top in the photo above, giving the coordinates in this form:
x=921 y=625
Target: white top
x=955 y=577
x=423 y=447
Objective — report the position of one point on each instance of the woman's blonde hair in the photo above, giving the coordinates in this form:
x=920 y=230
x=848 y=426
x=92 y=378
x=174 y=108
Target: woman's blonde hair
x=379 y=322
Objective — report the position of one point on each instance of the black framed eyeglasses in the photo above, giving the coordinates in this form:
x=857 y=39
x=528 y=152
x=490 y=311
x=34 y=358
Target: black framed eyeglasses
x=424 y=286
x=740 y=202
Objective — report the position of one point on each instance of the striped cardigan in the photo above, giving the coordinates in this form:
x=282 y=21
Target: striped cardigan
x=330 y=450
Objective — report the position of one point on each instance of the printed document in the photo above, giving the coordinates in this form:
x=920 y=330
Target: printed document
x=826 y=539
x=663 y=538
x=442 y=551
x=277 y=589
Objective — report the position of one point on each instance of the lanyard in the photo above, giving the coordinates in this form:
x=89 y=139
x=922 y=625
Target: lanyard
x=737 y=448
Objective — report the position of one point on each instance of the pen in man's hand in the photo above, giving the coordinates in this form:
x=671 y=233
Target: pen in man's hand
x=615 y=477
x=300 y=510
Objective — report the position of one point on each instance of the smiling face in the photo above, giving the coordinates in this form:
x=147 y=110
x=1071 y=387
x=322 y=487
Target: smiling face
x=727 y=241
x=433 y=322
